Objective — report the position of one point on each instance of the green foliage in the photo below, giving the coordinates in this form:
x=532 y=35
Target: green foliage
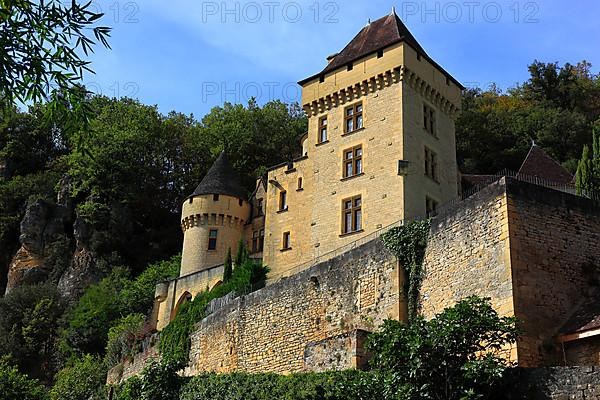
x=17 y=386
x=455 y=355
x=555 y=107
x=137 y=296
x=104 y=303
x=30 y=318
x=124 y=339
x=91 y=318
x=174 y=342
x=345 y=385
x=408 y=243
x=241 y=254
x=158 y=381
x=588 y=169
x=228 y=267
x=42 y=46
x=82 y=379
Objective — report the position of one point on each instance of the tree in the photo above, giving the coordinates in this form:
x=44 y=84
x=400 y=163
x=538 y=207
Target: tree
x=228 y=267
x=30 y=318
x=456 y=355
x=242 y=253
x=17 y=386
x=41 y=44
x=588 y=169
x=81 y=379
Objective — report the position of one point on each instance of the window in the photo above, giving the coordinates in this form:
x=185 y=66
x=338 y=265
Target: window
x=215 y=197
x=299 y=183
x=354 y=118
x=430 y=206
x=380 y=54
x=212 y=239
x=240 y=202
x=419 y=56
x=350 y=66
x=286 y=243
x=283 y=200
x=429 y=119
x=255 y=241
x=261 y=240
x=353 y=161
x=431 y=164
x=321 y=78
x=259 y=207
x=322 y=130
x=351 y=215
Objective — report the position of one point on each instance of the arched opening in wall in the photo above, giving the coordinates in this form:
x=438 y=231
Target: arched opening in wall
x=219 y=283
x=184 y=298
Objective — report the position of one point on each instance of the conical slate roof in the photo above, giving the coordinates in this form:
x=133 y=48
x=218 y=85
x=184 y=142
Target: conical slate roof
x=376 y=36
x=221 y=179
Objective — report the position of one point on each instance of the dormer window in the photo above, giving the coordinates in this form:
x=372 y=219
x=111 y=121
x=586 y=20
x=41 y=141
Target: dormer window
x=350 y=66
x=215 y=197
x=380 y=54
x=321 y=78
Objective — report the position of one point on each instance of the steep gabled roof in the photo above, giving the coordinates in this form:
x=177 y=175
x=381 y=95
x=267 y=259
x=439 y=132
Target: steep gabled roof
x=376 y=36
x=221 y=179
x=539 y=164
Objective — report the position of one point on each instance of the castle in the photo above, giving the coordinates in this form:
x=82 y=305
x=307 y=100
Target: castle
x=380 y=148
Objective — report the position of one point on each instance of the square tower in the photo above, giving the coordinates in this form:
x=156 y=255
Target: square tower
x=380 y=148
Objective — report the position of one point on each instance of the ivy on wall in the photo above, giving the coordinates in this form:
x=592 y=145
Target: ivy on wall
x=408 y=243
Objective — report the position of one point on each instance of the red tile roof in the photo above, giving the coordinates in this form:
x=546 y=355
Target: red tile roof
x=586 y=317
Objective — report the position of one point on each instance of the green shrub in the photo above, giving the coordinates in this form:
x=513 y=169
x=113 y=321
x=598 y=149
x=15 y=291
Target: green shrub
x=344 y=385
x=17 y=386
x=82 y=379
x=454 y=356
x=93 y=315
x=158 y=381
x=137 y=295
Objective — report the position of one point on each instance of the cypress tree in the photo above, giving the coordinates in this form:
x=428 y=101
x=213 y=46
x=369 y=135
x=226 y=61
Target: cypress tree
x=241 y=255
x=228 y=268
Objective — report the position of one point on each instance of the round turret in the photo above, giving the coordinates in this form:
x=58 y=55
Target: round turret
x=213 y=218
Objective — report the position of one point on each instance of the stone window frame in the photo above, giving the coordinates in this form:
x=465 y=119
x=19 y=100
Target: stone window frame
x=213 y=240
x=354 y=116
x=286 y=241
x=430 y=119
x=283 y=203
x=323 y=132
x=431 y=164
x=355 y=161
x=354 y=211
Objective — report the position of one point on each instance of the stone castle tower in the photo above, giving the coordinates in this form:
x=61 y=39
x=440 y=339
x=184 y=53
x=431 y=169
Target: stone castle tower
x=213 y=218
x=380 y=148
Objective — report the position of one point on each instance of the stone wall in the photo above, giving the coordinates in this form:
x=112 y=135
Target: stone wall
x=554 y=243
x=132 y=367
x=559 y=383
x=468 y=254
x=275 y=329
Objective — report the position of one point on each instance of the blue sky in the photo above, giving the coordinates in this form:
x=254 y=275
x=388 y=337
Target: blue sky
x=190 y=55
